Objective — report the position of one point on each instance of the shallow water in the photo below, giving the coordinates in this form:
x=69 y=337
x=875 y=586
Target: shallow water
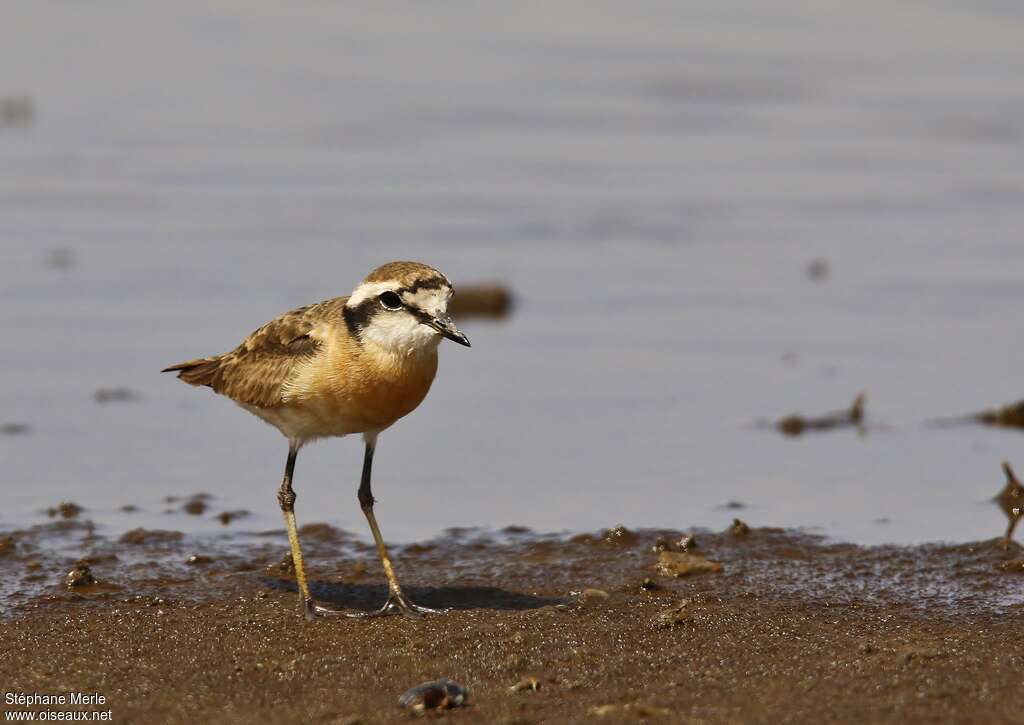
x=651 y=180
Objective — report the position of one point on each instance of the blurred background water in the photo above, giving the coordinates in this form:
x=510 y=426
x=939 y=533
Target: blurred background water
x=651 y=179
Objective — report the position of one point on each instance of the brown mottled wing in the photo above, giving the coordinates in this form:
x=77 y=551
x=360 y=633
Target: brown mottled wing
x=255 y=372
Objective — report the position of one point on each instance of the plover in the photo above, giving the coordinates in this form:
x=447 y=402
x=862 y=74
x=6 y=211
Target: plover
x=346 y=365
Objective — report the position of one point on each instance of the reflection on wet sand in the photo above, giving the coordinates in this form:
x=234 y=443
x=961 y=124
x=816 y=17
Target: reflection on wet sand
x=1011 y=501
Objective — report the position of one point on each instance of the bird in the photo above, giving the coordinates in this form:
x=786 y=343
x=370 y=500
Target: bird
x=344 y=366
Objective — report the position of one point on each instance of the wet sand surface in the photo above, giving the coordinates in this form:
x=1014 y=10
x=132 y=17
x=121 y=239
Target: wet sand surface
x=794 y=627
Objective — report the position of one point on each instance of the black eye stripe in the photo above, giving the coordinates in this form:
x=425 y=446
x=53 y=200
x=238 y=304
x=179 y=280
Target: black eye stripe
x=356 y=318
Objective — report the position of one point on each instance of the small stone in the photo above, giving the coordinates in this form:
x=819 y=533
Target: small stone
x=442 y=694
x=687 y=542
x=285 y=567
x=619 y=535
x=649 y=585
x=739 y=528
x=1013 y=566
x=198 y=560
x=673 y=616
x=684 y=563
x=80 y=576
x=7 y=545
x=593 y=596
x=527 y=684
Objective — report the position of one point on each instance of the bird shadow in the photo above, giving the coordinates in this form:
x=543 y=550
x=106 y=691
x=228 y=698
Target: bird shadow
x=369 y=597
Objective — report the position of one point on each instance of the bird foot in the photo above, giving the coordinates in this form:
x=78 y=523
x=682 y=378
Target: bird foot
x=397 y=603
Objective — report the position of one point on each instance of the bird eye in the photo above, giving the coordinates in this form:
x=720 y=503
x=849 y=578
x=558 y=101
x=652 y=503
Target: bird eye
x=390 y=301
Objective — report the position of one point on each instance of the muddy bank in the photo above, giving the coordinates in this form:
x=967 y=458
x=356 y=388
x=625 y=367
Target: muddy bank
x=607 y=627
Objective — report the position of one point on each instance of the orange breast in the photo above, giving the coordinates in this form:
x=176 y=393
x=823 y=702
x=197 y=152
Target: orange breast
x=373 y=388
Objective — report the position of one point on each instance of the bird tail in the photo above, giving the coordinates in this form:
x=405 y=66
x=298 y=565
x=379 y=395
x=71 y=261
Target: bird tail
x=196 y=372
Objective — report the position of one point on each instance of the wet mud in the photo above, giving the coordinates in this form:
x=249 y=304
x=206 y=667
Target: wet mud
x=773 y=625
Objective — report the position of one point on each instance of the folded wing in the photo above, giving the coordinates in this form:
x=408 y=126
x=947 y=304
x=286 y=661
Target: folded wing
x=256 y=371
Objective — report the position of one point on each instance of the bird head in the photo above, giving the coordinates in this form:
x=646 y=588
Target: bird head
x=403 y=306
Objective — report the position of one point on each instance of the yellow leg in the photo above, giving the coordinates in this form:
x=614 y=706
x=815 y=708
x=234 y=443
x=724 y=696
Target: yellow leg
x=397 y=602
x=300 y=566
x=382 y=551
x=286 y=498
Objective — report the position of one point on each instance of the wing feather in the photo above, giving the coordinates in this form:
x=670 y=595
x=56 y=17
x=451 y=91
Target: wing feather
x=256 y=371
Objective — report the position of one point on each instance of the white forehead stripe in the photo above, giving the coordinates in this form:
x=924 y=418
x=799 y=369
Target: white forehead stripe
x=427 y=298
x=367 y=290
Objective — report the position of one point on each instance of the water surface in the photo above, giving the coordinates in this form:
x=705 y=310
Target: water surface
x=652 y=180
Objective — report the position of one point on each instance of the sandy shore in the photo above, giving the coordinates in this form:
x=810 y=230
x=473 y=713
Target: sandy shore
x=792 y=628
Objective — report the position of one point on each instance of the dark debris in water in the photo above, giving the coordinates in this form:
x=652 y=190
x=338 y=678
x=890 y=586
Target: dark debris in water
x=116 y=395
x=194 y=507
x=226 y=517
x=60 y=258
x=65 y=509
x=442 y=694
x=817 y=269
x=487 y=301
x=1007 y=416
x=852 y=417
x=17 y=111
x=14 y=429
